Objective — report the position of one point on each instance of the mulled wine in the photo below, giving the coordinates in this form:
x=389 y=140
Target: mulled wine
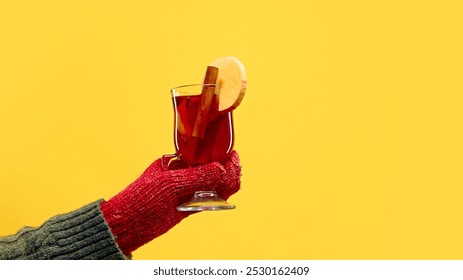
x=216 y=141
x=204 y=126
x=202 y=134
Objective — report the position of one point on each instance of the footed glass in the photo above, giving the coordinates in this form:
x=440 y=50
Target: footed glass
x=201 y=135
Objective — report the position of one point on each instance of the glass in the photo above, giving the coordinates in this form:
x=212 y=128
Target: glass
x=200 y=136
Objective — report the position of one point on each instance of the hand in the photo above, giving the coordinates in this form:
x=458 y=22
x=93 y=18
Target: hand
x=147 y=207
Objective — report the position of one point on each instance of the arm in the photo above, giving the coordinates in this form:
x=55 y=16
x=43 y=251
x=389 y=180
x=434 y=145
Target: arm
x=113 y=229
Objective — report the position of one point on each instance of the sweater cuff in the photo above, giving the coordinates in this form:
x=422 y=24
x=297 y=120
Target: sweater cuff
x=80 y=234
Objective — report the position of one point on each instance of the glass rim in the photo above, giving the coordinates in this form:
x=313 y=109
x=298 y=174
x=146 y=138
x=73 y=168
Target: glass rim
x=177 y=91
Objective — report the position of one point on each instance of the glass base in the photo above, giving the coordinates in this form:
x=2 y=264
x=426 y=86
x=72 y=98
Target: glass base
x=205 y=201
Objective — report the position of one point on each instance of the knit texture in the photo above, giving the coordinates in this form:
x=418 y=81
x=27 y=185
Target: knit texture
x=146 y=209
x=80 y=234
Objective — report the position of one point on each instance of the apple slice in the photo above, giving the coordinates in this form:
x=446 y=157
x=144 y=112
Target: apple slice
x=231 y=82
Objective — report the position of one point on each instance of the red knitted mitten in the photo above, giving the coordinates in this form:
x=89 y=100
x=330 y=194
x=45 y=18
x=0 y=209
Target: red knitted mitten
x=147 y=207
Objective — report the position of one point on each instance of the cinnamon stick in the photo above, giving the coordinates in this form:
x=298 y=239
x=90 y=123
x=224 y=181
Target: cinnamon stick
x=207 y=96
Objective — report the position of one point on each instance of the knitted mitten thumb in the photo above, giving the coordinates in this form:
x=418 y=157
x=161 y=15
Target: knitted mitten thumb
x=147 y=207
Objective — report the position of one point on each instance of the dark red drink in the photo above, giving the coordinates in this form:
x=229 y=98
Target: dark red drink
x=216 y=142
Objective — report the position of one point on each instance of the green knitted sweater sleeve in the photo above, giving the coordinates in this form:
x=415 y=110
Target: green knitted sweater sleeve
x=80 y=234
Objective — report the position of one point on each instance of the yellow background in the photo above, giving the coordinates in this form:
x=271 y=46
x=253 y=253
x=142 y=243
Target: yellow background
x=349 y=134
